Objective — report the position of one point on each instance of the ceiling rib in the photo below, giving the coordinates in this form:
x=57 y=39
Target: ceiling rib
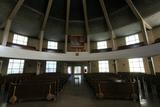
x=8 y=22
x=86 y=24
x=113 y=36
x=143 y=23
x=67 y=23
x=137 y=13
x=44 y=24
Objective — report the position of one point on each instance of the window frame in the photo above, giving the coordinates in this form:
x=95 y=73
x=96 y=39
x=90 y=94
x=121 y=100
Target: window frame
x=51 y=66
x=132 y=39
x=77 y=68
x=20 y=39
x=136 y=65
x=52 y=45
x=69 y=69
x=103 y=66
x=15 y=66
x=102 y=45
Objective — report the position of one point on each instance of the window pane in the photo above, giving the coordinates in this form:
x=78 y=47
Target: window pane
x=18 y=39
x=103 y=66
x=52 y=45
x=51 y=66
x=132 y=39
x=15 y=66
x=136 y=65
x=102 y=45
x=77 y=69
x=69 y=70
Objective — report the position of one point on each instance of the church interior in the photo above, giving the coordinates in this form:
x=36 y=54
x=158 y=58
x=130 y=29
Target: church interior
x=79 y=53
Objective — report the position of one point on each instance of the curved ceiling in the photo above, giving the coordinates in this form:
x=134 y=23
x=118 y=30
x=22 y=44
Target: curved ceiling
x=30 y=17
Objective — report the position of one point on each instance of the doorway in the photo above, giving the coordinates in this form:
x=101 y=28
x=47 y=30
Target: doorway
x=77 y=75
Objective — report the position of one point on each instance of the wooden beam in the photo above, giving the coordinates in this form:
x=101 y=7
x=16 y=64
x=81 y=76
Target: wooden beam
x=85 y=16
x=86 y=24
x=108 y=23
x=137 y=14
x=41 y=40
x=116 y=65
x=16 y=9
x=67 y=16
x=144 y=31
x=38 y=68
x=9 y=21
x=44 y=24
x=6 y=32
x=151 y=65
x=89 y=67
x=67 y=24
x=1 y=63
x=47 y=14
x=106 y=15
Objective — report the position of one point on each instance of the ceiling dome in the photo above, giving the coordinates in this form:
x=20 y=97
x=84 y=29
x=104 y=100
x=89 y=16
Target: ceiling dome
x=29 y=18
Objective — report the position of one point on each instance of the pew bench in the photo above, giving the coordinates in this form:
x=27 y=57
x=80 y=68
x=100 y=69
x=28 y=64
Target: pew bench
x=33 y=90
x=113 y=86
x=117 y=90
x=28 y=86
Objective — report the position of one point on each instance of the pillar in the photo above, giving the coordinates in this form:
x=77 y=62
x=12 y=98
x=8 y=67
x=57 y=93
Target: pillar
x=38 y=68
x=1 y=63
x=6 y=32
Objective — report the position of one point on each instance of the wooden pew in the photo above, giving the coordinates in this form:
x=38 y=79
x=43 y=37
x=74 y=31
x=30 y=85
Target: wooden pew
x=19 y=87
x=16 y=78
x=156 y=82
x=1 y=81
x=118 y=90
x=61 y=79
x=111 y=86
x=32 y=90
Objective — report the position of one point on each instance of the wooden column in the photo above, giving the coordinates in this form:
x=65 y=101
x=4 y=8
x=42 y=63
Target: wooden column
x=151 y=65
x=113 y=39
x=86 y=24
x=89 y=67
x=8 y=23
x=6 y=32
x=65 y=68
x=67 y=24
x=1 y=63
x=116 y=65
x=44 y=24
x=113 y=36
x=38 y=68
x=144 y=24
x=66 y=43
x=144 y=32
x=41 y=40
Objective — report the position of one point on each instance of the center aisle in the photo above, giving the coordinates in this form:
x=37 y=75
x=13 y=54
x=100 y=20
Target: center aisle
x=74 y=95
x=81 y=95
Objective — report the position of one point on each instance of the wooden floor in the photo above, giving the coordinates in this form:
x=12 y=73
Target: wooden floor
x=75 y=95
